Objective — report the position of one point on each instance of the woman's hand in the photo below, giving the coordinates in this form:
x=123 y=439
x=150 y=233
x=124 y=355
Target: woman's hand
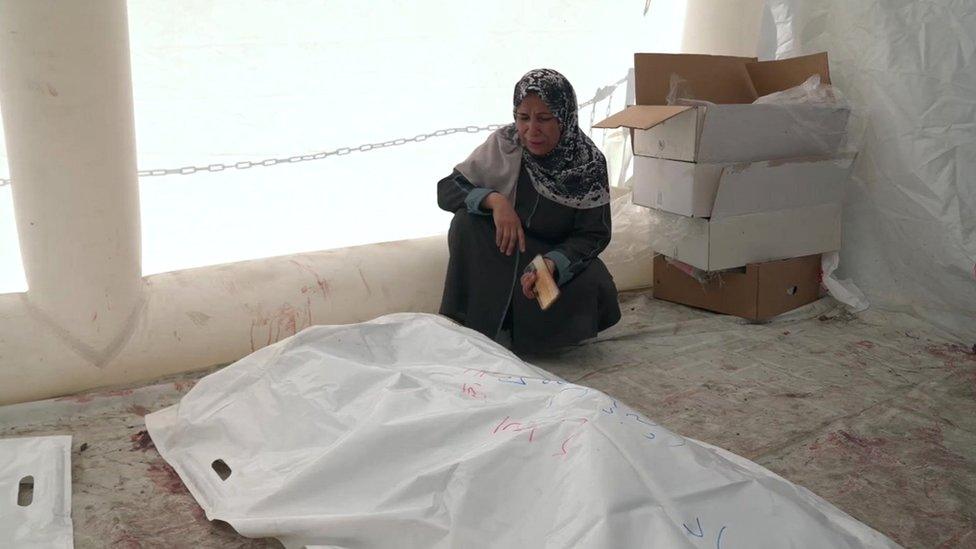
x=508 y=226
x=528 y=279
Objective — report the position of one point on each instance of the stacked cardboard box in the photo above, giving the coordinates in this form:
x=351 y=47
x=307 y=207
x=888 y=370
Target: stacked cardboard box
x=735 y=185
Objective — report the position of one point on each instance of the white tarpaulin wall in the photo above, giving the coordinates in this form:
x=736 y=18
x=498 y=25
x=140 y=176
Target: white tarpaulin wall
x=910 y=218
x=224 y=81
x=411 y=432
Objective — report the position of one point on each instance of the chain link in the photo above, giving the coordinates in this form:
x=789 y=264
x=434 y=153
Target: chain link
x=601 y=94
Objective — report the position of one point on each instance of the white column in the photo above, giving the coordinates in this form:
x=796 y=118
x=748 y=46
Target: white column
x=726 y=27
x=66 y=92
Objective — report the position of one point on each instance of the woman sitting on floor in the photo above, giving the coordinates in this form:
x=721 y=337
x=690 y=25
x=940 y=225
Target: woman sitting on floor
x=538 y=186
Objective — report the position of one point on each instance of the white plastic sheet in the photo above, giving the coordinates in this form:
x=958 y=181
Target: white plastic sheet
x=844 y=290
x=910 y=217
x=44 y=518
x=409 y=431
x=628 y=247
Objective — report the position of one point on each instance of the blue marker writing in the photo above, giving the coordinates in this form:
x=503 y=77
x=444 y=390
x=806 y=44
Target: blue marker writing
x=700 y=534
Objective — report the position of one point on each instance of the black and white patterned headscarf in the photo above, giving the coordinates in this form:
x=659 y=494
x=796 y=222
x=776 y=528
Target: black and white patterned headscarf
x=573 y=174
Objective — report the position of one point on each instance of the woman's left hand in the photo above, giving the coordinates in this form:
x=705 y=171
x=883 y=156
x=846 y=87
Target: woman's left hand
x=529 y=279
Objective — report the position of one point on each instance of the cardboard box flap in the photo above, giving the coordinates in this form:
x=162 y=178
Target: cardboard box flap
x=773 y=76
x=781 y=185
x=715 y=78
x=641 y=117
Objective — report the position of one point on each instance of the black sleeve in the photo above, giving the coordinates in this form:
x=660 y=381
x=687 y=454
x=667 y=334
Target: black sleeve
x=590 y=236
x=455 y=192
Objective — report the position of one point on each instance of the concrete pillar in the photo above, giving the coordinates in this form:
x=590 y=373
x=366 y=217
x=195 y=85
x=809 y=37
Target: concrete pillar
x=66 y=91
x=722 y=27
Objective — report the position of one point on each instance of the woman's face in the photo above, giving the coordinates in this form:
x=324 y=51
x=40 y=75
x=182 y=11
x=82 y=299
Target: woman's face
x=538 y=129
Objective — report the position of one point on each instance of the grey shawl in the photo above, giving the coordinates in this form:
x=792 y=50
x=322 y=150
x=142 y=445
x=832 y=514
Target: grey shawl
x=573 y=174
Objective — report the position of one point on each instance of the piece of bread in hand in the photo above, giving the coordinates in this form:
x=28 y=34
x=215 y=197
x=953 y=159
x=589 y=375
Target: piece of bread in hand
x=546 y=290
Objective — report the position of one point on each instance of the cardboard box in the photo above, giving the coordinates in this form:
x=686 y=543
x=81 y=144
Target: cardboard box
x=728 y=242
x=732 y=129
x=717 y=190
x=684 y=188
x=760 y=291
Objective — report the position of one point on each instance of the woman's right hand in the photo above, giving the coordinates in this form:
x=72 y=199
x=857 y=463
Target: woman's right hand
x=508 y=226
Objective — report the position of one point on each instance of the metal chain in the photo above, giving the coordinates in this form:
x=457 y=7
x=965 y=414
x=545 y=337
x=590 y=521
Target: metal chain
x=601 y=94
x=342 y=151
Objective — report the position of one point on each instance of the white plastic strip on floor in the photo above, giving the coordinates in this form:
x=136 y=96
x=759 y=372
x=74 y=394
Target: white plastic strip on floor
x=411 y=432
x=35 y=492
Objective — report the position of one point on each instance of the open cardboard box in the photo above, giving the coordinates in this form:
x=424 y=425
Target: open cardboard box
x=732 y=129
x=759 y=292
x=725 y=190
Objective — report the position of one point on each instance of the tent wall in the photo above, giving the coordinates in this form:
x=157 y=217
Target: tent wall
x=729 y=27
x=910 y=217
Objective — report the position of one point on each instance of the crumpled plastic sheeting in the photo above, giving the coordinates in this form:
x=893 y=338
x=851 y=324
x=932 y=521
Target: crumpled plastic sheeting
x=828 y=134
x=615 y=144
x=631 y=227
x=910 y=218
x=666 y=228
x=410 y=431
x=811 y=92
x=46 y=521
x=844 y=290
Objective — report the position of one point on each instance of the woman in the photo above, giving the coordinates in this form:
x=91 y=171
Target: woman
x=538 y=186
